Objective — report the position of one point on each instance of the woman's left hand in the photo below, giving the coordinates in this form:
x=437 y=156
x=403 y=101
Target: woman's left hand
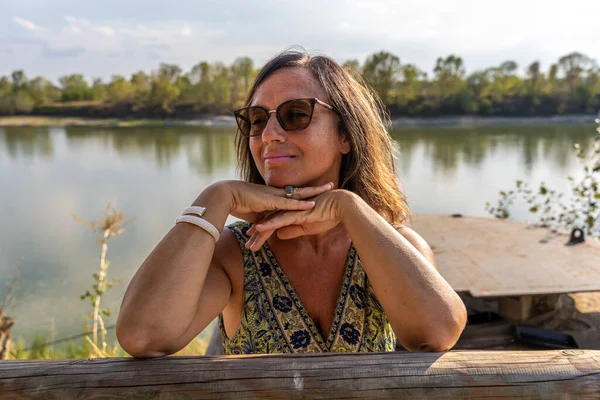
x=291 y=224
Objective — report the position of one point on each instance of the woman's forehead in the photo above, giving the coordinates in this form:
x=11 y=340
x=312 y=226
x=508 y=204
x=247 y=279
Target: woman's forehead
x=287 y=84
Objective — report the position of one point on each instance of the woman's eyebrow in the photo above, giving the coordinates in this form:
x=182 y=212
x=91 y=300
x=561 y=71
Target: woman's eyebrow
x=291 y=98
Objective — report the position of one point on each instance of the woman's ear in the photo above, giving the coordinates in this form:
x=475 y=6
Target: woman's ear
x=345 y=142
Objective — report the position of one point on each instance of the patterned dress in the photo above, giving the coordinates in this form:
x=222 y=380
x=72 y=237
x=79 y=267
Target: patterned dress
x=274 y=319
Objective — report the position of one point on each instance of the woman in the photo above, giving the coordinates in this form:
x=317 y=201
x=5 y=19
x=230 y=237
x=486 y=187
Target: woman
x=326 y=261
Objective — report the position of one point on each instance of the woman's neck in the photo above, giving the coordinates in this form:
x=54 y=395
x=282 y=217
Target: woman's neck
x=316 y=243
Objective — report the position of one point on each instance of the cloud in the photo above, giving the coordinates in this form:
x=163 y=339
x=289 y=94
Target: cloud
x=27 y=24
x=76 y=21
x=417 y=31
x=66 y=52
x=186 y=31
x=105 y=30
x=72 y=29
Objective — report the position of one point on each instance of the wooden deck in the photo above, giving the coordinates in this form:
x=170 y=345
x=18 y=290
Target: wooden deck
x=558 y=374
x=489 y=257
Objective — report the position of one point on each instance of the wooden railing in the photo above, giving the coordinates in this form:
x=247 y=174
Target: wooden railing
x=556 y=374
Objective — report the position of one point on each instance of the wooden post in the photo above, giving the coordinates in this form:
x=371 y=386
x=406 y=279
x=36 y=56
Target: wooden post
x=556 y=374
x=521 y=308
x=516 y=308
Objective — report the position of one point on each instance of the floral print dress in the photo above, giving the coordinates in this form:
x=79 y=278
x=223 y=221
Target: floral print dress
x=274 y=319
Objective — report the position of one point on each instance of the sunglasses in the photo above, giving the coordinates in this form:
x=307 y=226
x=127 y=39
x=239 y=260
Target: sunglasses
x=293 y=115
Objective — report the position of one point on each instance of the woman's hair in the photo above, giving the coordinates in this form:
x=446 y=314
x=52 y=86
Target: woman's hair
x=368 y=169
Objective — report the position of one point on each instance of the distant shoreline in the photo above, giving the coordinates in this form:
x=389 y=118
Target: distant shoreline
x=227 y=121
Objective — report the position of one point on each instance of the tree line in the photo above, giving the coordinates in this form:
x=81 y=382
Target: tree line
x=570 y=85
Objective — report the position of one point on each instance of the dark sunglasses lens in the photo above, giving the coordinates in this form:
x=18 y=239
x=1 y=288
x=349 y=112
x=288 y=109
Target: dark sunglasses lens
x=295 y=115
x=251 y=120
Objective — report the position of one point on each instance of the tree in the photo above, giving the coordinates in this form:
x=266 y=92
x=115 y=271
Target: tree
x=19 y=80
x=163 y=93
x=449 y=73
x=243 y=69
x=572 y=65
x=410 y=85
x=99 y=92
x=43 y=91
x=75 y=88
x=381 y=71
x=200 y=78
x=141 y=84
x=509 y=68
x=552 y=73
x=221 y=86
x=120 y=90
x=533 y=73
x=170 y=71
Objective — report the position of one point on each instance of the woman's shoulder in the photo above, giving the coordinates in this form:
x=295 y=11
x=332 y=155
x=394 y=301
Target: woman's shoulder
x=240 y=228
x=229 y=254
x=230 y=247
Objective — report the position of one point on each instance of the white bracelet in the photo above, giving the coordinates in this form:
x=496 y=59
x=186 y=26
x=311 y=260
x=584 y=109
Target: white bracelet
x=199 y=211
x=201 y=223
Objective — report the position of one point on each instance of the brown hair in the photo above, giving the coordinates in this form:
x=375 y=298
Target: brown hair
x=368 y=169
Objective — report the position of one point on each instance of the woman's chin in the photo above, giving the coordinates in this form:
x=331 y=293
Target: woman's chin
x=281 y=180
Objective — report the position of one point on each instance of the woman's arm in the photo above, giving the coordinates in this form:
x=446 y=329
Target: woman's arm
x=165 y=294
x=424 y=311
x=184 y=284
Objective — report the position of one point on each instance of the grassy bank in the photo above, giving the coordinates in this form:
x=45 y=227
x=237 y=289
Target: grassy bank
x=28 y=121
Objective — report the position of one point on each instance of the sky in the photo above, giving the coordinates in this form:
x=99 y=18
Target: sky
x=102 y=38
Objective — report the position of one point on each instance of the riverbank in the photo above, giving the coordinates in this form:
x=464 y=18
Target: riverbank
x=36 y=121
x=224 y=120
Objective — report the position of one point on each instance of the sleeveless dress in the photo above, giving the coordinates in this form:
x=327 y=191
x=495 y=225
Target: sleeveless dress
x=274 y=319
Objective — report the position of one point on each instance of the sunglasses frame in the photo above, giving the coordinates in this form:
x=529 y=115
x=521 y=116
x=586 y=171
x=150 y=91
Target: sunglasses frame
x=312 y=102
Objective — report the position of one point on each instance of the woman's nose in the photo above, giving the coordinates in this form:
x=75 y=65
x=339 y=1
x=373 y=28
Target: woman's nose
x=273 y=131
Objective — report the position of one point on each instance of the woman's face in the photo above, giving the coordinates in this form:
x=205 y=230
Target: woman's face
x=309 y=157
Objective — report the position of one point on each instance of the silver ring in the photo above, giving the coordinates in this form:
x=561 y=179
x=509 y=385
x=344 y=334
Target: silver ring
x=289 y=191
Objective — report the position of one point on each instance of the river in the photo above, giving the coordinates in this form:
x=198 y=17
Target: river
x=151 y=174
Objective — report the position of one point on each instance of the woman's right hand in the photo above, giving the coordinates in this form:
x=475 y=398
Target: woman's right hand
x=251 y=202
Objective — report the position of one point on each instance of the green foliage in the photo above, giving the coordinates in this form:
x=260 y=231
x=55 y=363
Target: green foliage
x=380 y=71
x=119 y=90
x=582 y=208
x=571 y=85
x=163 y=93
x=75 y=88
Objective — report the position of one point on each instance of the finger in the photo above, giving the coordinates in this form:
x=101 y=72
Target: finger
x=291 y=232
x=258 y=239
x=250 y=241
x=290 y=204
x=301 y=193
x=260 y=218
x=280 y=220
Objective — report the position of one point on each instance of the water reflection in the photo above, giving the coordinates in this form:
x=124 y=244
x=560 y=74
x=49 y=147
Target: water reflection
x=209 y=150
x=28 y=142
x=446 y=148
x=152 y=173
x=161 y=145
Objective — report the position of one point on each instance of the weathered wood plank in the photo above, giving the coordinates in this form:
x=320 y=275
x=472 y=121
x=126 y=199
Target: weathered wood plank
x=558 y=374
x=490 y=257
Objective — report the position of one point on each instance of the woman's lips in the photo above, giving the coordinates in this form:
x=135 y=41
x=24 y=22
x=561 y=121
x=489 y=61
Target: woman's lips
x=278 y=159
